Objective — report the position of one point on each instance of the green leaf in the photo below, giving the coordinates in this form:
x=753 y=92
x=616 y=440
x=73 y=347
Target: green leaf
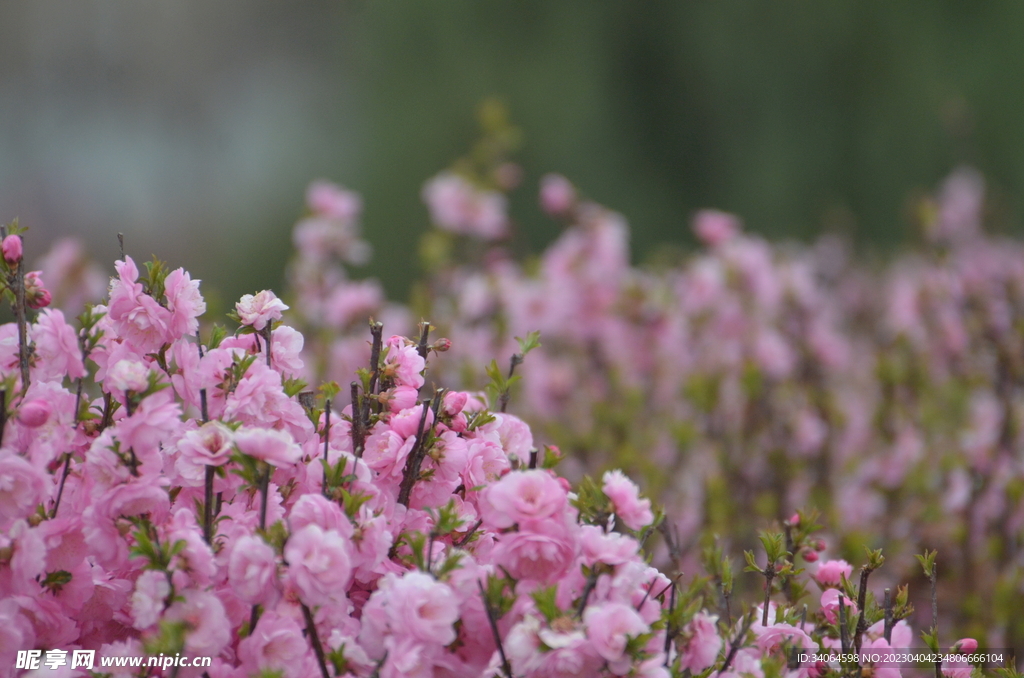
x=531 y=342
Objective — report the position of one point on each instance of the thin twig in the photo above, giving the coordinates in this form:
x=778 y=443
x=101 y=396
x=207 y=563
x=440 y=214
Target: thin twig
x=888 y=616
x=358 y=433
x=735 y=645
x=314 y=640
x=494 y=630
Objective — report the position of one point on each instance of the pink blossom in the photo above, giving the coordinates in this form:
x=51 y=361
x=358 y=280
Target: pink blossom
x=714 y=227
x=252 y=570
x=56 y=347
x=208 y=628
x=184 y=302
x=404 y=363
x=209 y=445
x=557 y=194
x=423 y=608
x=457 y=206
x=276 y=644
x=522 y=496
x=319 y=565
x=542 y=552
x=634 y=512
x=328 y=199
x=22 y=487
x=831 y=572
x=830 y=605
x=277 y=448
x=151 y=591
x=136 y=316
x=128 y=375
x=703 y=643
x=261 y=309
x=610 y=626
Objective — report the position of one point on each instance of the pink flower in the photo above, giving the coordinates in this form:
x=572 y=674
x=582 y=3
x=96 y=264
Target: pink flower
x=56 y=347
x=831 y=572
x=830 y=605
x=128 y=375
x=521 y=496
x=34 y=413
x=456 y=205
x=634 y=512
x=404 y=363
x=703 y=643
x=543 y=552
x=136 y=317
x=314 y=509
x=276 y=644
x=12 y=249
x=557 y=194
x=209 y=445
x=386 y=452
x=714 y=227
x=423 y=608
x=252 y=570
x=185 y=303
x=151 y=591
x=331 y=200
x=319 y=565
x=208 y=628
x=22 y=487
x=261 y=309
x=277 y=448
x=609 y=627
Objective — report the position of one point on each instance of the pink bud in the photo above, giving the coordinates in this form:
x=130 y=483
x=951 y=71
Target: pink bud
x=810 y=556
x=966 y=645
x=794 y=519
x=12 y=249
x=441 y=345
x=36 y=296
x=34 y=413
x=821 y=545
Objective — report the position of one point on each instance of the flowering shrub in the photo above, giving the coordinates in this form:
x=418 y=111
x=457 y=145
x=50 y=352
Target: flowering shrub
x=742 y=383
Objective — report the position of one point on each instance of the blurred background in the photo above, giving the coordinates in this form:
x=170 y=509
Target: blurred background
x=194 y=127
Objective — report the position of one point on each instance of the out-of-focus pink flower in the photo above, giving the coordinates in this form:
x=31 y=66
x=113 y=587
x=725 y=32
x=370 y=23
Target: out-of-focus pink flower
x=185 y=303
x=457 y=206
x=331 y=200
x=150 y=597
x=128 y=375
x=22 y=487
x=260 y=309
x=703 y=643
x=276 y=644
x=36 y=294
x=557 y=194
x=56 y=347
x=610 y=626
x=714 y=227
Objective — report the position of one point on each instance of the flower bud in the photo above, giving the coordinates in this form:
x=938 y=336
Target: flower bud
x=794 y=519
x=557 y=194
x=36 y=296
x=441 y=345
x=809 y=555
x=34 y=413
x=12 y=249
x=965 y=645
x=821 y=545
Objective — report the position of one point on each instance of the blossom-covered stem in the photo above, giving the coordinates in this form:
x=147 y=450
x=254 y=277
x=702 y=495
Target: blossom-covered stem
x=314 y=640
x=412 y=464
x=19 y=309
x=358 y=432
x=887 y=605
x=505 y=667
x=734 y=646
